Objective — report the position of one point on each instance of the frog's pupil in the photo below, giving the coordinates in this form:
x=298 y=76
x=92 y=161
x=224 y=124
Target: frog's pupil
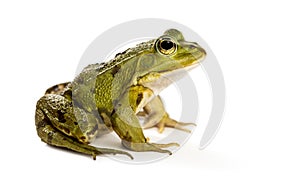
x=167 y=45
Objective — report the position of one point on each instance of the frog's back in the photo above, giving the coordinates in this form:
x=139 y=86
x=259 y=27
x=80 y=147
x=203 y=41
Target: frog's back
x=94 y=83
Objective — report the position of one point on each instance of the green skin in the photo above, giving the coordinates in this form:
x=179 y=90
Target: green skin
x=112 y=96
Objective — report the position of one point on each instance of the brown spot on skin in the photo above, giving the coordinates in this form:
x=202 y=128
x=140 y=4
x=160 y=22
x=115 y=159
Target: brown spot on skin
x=115 y=70
x=127 y=136
x=139 y=98
x=67 y=94
x=61 y=117
x=113 y=112
x=82 y=137
x=67 y=131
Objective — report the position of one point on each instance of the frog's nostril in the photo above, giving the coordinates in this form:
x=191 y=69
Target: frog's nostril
x=193 y=45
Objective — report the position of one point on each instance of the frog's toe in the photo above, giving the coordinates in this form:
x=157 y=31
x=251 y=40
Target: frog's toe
x=173 y=124
x=110 y=151
x=166 y=121
x=143 y=147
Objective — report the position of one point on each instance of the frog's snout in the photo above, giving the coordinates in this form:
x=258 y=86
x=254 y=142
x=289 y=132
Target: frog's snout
x=196 y=50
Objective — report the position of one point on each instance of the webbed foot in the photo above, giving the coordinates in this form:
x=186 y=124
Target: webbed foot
x=99 y=151
x=57 y=139
x=166 y=121
x=156 y=116
x=142 y=147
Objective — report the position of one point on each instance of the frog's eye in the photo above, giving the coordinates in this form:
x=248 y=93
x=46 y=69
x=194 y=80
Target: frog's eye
x=166 y=46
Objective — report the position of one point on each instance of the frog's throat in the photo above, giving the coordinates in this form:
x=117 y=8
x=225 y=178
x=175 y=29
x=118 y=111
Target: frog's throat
x=165 y=79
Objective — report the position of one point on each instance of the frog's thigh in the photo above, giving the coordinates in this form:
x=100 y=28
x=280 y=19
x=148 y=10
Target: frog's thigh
x=60 y=113
x=52 y=136
x=158 y=117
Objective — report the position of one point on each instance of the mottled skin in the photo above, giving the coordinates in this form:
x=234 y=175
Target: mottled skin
x=111 y=96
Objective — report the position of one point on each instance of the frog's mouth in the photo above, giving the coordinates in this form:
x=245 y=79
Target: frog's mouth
x=177 y=74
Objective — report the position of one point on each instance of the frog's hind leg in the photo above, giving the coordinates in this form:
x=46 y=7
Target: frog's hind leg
x=52 y=136
x=55 y=138
x=156 y=116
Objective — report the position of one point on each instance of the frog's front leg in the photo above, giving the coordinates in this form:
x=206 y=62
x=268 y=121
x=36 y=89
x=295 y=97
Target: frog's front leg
x=126 y=123
x=156 y=116
x=56 y=125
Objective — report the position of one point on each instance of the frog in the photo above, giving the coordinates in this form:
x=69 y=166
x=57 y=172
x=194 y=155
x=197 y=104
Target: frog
x=113 y=96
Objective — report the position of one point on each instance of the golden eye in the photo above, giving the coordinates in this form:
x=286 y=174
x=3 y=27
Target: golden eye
x=166 y=46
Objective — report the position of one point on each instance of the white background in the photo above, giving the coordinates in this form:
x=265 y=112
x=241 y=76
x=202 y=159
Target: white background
x=257 y=46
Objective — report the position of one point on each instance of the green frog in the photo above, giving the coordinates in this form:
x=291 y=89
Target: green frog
x=113 y=96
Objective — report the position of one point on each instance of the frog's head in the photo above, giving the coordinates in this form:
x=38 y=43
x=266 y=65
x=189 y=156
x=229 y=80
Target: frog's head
x=172 y=46
x=171 y=52
x=170 y=57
